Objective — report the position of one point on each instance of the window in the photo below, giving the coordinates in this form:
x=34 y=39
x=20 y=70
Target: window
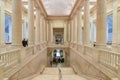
x=8 y=29
x=109 y=28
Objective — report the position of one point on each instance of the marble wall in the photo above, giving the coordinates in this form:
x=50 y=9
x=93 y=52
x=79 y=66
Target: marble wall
x=33 y=67
x=82 y=66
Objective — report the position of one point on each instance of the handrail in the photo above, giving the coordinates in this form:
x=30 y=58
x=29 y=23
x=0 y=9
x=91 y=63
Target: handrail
x=108 y=58
x=60 y=74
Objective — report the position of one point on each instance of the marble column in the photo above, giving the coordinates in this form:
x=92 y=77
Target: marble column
x=65 y=30
x=86 y=22
x=118 y=20
x=72 y=31
x=16 y=22
x=76 y=27
x=31 y=21
x=68 y=32
x=115 y=36
x=101 y=23
x=45 y=30
x=38 y=25
x=43 y=27
x=2 y=23
x=49 y=32
x=41 y=30
x=47 y=38
x=79 y=22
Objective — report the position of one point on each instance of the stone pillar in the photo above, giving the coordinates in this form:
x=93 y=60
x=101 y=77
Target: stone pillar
x=115 y=36
x=2 y=23
x=101 y=23
x=65 y=26
x=76 y=27
x=16 y=22
x=72 y=31
x=43 y=27
x=51 y=33
x=38 y=25
x=41 y=30
x=118 y=20
x=79 y=22
x=68 y=32
x=31 y=21
x=45 y=30
x=86 y=22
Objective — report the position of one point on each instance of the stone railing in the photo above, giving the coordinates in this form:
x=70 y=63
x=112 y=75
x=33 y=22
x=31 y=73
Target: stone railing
x=1 y=70
x=107 y=58
x=10 y=57
x=110 y=59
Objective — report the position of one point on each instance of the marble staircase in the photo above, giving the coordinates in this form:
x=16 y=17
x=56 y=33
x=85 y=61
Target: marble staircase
x=67 y=73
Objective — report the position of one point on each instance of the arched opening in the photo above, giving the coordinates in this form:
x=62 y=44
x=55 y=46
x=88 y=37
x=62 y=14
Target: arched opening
x=57 y=58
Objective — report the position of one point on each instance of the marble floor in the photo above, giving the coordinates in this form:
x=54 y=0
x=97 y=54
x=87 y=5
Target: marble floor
x=53 y=74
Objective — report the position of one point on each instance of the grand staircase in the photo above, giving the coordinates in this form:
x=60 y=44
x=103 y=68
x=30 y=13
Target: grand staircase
x=65 y=73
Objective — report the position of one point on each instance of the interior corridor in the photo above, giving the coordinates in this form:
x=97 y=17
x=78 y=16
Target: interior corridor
x=59 y=39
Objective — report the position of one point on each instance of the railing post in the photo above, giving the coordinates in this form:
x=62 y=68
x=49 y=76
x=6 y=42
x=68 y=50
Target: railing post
x=1 y=70
x=119 y=66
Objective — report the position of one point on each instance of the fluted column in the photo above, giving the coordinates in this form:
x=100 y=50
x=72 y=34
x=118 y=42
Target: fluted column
x=2 y=23
x=65 y=30
x=72 y=31
x=31 y=21
x=38 y=25
x=16 y=22
x=41 y=30
x=45 y=30
x=43 y=26
x=51 y=33
x=86 y=22
x=68 y=34
x=118 y=19
x=79 y=21
x=76 y=27
x=115 y=36
x=101 y=22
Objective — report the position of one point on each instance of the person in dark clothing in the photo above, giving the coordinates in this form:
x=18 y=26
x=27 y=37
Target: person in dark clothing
x=24 y=42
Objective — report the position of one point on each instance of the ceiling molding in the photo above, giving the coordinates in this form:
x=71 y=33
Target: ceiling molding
x=58 y=17
x=41 y=7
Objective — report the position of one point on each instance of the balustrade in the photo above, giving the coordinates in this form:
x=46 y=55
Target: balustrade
x=1 y=70
x=10 y=57
x=107 y=58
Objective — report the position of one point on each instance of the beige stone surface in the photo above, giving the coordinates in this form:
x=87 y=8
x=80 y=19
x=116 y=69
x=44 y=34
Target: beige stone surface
x=51 y=71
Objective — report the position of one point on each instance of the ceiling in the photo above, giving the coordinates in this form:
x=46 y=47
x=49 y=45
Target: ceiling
x=58 y=7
